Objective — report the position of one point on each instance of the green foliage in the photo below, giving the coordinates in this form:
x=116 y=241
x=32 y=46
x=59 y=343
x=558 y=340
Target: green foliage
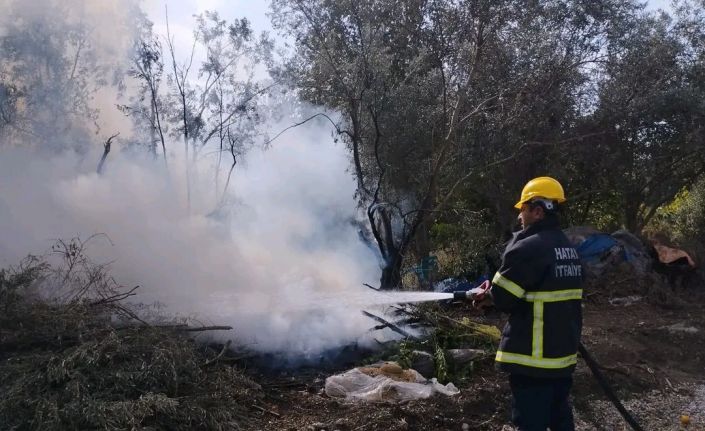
x=447 y=333
x=645 y=134
x=683 y=219
x=450 y=107
x=686 y=214
x=464 y=242
x=465 y=333
x=404 y=356
x=15 y=283
x=441 y=364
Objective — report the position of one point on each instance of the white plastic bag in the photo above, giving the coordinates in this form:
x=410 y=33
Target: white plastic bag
x=356 y=385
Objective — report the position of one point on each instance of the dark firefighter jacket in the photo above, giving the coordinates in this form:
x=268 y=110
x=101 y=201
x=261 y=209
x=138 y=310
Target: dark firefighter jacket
x=539 y=285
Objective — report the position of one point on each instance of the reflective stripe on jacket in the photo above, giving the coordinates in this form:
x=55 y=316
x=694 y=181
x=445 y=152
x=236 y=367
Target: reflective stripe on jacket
x=539 y=285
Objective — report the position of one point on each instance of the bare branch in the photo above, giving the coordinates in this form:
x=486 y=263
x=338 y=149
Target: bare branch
x=106 y=151
x=320 y=114
x=226 y=346
x=205 y=328
x=390 y=325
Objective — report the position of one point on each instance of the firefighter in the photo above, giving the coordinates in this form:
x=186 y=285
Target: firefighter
x=539 y=286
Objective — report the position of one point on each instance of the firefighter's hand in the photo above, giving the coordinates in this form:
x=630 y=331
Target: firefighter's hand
x=480 y=292
x=481 y=298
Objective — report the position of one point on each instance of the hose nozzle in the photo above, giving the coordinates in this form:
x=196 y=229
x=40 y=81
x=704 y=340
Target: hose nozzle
x=461 y=295
x=474 y=294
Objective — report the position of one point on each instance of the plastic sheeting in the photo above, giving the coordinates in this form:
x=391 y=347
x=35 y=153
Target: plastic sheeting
x=668 y=255
x=356 y=385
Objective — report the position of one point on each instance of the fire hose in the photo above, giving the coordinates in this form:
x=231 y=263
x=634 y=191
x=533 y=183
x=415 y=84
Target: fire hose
x=587 y=357
x=606 y=388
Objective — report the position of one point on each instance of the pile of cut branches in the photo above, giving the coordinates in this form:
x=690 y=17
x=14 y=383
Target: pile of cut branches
x=460 y=331
x=66 y=365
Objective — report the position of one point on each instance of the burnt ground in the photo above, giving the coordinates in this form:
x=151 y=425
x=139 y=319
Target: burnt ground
x=651 y=351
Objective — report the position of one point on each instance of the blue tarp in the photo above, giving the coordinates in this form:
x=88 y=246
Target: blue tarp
x=595 y=246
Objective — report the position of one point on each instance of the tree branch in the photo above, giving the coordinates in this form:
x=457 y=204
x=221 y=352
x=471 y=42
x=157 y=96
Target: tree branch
x=106 y=150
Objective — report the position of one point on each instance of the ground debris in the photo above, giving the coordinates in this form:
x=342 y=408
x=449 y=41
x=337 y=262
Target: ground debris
x=626 y=300
x=654 y=410
x=681 y=327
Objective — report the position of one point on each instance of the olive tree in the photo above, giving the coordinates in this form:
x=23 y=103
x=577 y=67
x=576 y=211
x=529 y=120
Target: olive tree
x=443 y=103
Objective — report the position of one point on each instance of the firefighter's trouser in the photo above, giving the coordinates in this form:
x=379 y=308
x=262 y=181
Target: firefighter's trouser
x=541 y=403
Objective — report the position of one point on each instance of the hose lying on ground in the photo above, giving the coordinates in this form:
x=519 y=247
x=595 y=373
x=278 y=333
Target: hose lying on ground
x=595 y=368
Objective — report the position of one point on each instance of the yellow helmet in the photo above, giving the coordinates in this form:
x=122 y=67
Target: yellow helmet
x=541 y=187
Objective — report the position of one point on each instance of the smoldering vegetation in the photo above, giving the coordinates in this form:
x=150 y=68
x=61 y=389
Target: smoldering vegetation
x=84 y=363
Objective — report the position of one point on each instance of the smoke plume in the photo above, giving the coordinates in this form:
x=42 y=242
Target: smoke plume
x=281 y=261
x=279 y=264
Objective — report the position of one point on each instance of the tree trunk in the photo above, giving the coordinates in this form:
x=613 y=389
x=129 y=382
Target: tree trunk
x=631 y=214
x=106 y=151
x=422 y=248
x=393 y=254
x=188 y=171
x=391 y=273
x=152 y=132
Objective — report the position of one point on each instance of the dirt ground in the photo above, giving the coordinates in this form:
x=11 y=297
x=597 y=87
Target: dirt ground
x=652 y=351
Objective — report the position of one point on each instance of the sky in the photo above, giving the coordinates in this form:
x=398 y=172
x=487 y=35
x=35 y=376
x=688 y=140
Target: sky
x=182 y=10
x=255 y=10
x=181 y=14
x=659 y=4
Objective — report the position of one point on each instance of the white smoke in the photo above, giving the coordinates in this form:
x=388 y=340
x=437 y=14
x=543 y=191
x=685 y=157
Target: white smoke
x=278 y=269
x=281 y=262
